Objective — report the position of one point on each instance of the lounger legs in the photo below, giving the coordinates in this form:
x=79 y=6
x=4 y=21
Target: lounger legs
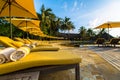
x=46 y=70
x=65 y=67
x=77 y=72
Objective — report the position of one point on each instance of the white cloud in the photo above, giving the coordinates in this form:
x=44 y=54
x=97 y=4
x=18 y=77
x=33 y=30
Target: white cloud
x=93 y=22
x=82 y=4
x=74 y=6
x=110 y=12
x=77 y=5
x=65 y=6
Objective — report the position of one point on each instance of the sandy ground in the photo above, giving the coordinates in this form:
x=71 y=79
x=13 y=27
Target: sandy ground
x=93 y=67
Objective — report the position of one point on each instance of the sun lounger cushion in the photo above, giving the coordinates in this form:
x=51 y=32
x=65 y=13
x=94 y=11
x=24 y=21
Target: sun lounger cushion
x=6 y=44
x=44 y=48
x=6 y=38
x=36 y=59
x=19 y=39
x=43 y=43
x=17 y=44
x=27 y=42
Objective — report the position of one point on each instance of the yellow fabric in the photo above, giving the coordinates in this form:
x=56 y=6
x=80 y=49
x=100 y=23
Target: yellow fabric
x=40 y=59
x=6 y=43
x=27 y=42
x=25 y=22
x=109 y=25
x=28 y=25
x=30 y=29
x=17 y=44
x=5 y=38
x=43 y=48
x=19 y=39
x=31 y=41
x=43 y=44
x=19 y=8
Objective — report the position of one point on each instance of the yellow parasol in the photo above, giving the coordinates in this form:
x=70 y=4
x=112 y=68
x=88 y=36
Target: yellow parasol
x=108 y=25
x=25 y=24
x=32 y=30
x=38 y=34
x=28 y=25
x=17 y=8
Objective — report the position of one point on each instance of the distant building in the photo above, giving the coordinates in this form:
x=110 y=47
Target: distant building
x=74 y=36
x=104 y=35
x=70 y=36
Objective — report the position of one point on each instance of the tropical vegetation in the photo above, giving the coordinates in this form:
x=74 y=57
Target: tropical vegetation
x=90 y=34
x=50 y=24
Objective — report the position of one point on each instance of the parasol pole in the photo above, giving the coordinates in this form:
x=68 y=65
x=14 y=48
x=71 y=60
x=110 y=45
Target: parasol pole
x=108 y=32
x=10 y=19
x=26 y=29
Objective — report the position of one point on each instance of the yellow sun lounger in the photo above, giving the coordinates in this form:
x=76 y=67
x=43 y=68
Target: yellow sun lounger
x=28 y=41
x=7 y=42
x=44 y=48
x=43 y=63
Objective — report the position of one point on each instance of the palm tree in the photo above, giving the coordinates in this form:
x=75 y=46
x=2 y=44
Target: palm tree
x=51 y=24
x=64 y=24
x=67 y=25
x=45 y=19
x=101 y=32
x=70 y=26
x=90 y=33
x=55 y=26
x=49 y=21
x=82 y=32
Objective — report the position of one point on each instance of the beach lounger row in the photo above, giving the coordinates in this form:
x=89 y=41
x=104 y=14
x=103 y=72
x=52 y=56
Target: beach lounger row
x=42 y=62
x=7 y=42
x=103 y=42
x=38 y=63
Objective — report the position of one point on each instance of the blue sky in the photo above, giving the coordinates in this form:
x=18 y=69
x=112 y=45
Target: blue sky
x=88 y=13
